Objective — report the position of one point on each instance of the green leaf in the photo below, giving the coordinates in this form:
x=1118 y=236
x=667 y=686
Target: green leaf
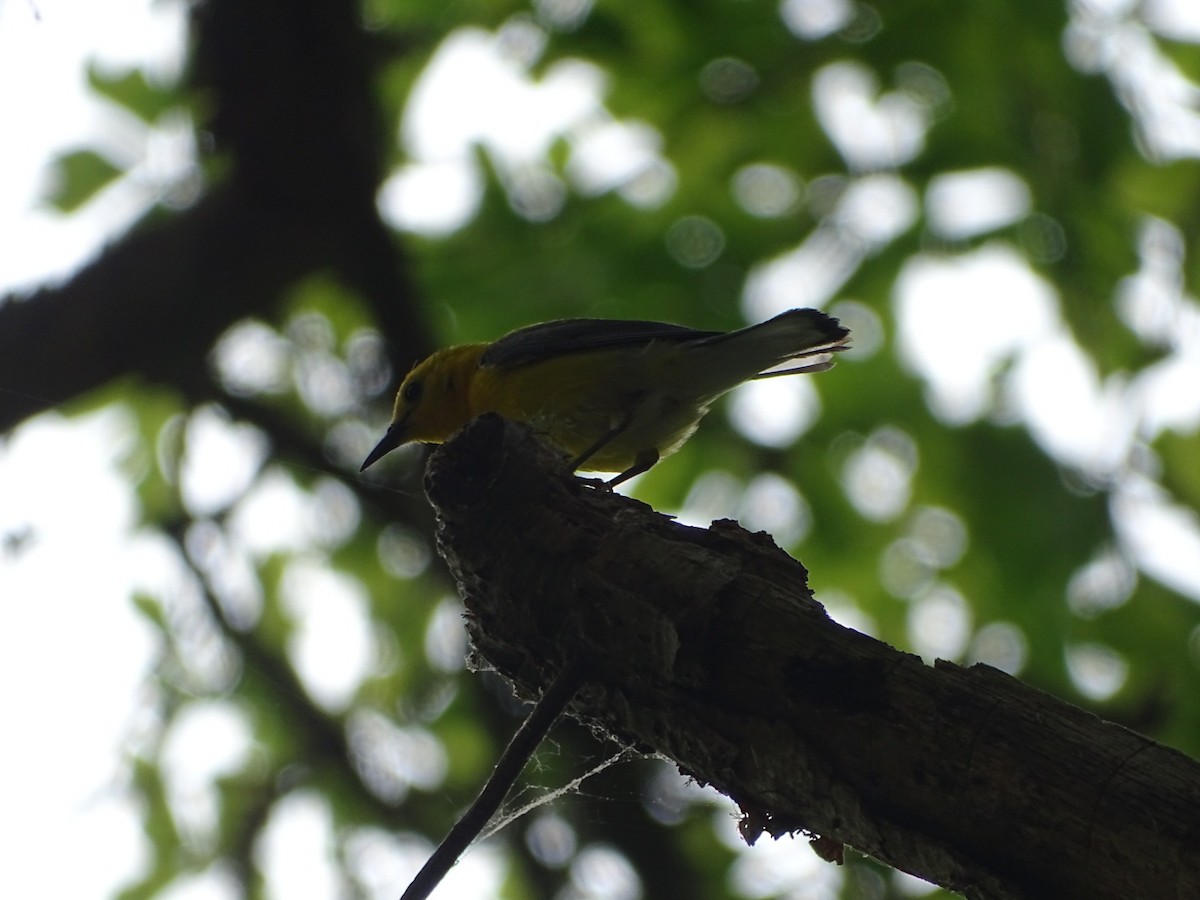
x=132 y=91
x=78 y=176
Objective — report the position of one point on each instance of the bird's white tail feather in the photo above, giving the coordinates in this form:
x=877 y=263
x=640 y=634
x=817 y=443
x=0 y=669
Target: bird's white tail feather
x=768 y=348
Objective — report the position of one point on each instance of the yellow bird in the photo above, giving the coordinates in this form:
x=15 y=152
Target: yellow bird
x=615 y=396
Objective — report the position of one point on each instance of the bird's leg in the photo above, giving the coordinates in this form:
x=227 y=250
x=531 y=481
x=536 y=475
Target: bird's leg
x=619 y=426
x=641 y=463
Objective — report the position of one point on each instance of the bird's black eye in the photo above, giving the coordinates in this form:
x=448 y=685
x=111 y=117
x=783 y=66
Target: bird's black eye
x=412 y=391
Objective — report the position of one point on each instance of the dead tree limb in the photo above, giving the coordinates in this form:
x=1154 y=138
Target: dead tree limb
x=706 y=645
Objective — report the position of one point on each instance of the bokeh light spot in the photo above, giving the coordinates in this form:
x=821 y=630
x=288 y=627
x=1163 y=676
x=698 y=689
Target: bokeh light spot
x=1002 y=645
x=939 y=624
x=403 y=552
x=695 y=241
x=774 y=412
x=1103 y=583
x=391 y=758
x=965 y=204
x=601 y=872
x=815 y=19
x=728 y=80
x=252 y=358
x=766 y=190
x=772 y=504
x=877 y=477
x=551 y=840
x=1096 y=670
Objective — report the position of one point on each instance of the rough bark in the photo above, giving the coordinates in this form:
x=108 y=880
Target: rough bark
x=707 y=646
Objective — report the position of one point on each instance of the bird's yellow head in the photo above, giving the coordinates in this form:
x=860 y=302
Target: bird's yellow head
x=433 y=401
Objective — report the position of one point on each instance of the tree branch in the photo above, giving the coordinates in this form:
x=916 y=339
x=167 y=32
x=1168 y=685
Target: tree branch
x=509 y=767
x=707 y=646
x=289 y=83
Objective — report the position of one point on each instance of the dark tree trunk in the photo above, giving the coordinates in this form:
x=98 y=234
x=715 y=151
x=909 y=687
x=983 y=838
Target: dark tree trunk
x=707 y=646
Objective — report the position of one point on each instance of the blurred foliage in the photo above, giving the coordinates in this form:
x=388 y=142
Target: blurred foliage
x=79 y=176
x=134 y=92
x=403 y=745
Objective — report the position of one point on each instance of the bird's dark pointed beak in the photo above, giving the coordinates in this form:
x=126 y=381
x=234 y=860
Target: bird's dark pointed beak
x=393 y=439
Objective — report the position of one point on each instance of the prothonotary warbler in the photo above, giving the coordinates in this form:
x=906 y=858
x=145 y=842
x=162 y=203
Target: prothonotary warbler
x=615 y=396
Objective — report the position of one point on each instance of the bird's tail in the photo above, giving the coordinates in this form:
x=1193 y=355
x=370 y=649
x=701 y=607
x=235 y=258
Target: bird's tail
x=776 y=346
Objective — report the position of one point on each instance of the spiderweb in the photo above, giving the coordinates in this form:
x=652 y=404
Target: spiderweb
x=506 y=817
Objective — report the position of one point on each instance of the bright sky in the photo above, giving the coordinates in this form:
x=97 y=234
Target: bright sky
x=68 y=626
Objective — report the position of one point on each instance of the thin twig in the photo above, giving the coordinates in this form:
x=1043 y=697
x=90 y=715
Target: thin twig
x=512 y=761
